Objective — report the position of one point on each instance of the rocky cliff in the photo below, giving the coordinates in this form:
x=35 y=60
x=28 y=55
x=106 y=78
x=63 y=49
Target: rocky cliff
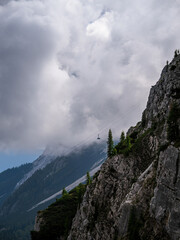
x=137 y=195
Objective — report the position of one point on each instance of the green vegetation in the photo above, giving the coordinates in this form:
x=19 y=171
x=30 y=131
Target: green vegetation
x=17 y=219
x=173 y=128
x=124 y=146
x=88 y=179
x=13 y=234
x=9 y=179
x=133 y=136
x=138 y=143
x=57 y=218
x=64 y=192
x=21 y=230
x=110 y=144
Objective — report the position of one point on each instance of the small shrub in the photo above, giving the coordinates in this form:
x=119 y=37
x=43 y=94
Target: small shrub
x=88 y=179
x=124 y=146
x=133 y=136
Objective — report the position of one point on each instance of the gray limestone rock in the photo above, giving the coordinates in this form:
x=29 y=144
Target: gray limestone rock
x=138 y=196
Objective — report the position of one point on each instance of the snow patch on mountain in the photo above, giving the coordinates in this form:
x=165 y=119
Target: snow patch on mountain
x=68 y=188
x=49 y=155
x=38 y=164
x=97 y=163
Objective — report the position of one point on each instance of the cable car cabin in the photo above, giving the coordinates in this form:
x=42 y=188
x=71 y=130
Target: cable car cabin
x=98 y=137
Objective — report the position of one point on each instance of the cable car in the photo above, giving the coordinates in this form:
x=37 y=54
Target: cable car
x=98 y=137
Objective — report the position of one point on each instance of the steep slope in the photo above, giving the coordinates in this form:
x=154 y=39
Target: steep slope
x=68 y=188
x=45 y=182
x=9 y=179
x=12 y=179
x=40 y=163
x=56 y=175
x=50 y=153
x=56 y=220
x=137 y=196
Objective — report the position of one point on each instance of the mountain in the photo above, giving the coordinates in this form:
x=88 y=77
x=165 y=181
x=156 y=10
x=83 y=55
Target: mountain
x=9 y=179
x=57 y=218
x=12 y=179
x=136 y=193
x=44 y=180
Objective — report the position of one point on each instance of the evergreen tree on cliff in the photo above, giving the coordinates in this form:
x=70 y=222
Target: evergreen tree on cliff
x=110 y=144
x=88 y=179
x=64 y=192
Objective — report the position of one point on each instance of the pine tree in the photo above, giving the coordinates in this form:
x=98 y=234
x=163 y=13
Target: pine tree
x=128 y=143
x=110 y=144
x=122 y=138
x=167 y=65
x=176 y=53
x=64 y=192
x=88 y=179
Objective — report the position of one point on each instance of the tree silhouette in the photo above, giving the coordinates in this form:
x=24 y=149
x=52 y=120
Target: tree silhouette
x=110 y=144
x=64 y=192
x=88 y=179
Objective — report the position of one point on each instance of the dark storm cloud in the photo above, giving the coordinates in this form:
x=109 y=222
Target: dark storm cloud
x=72 y=69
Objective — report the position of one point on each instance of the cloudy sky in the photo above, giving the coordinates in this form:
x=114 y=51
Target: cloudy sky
x=70 y=69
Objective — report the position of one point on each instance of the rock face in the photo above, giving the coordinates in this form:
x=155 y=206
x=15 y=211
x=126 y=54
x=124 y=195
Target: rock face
x=138 y=196
x=38 y=222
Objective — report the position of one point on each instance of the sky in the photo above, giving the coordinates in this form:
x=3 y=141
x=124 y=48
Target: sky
x=72 y=69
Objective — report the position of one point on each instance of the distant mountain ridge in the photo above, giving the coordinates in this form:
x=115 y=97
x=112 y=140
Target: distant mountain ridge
x=46 y=176
x=39 y=163
x=13 y=178
x=68 y=188
x=48 y=156
x=9 y=179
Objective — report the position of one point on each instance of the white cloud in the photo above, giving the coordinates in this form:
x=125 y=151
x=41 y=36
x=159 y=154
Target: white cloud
x=70 y=69
x=101 y=28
